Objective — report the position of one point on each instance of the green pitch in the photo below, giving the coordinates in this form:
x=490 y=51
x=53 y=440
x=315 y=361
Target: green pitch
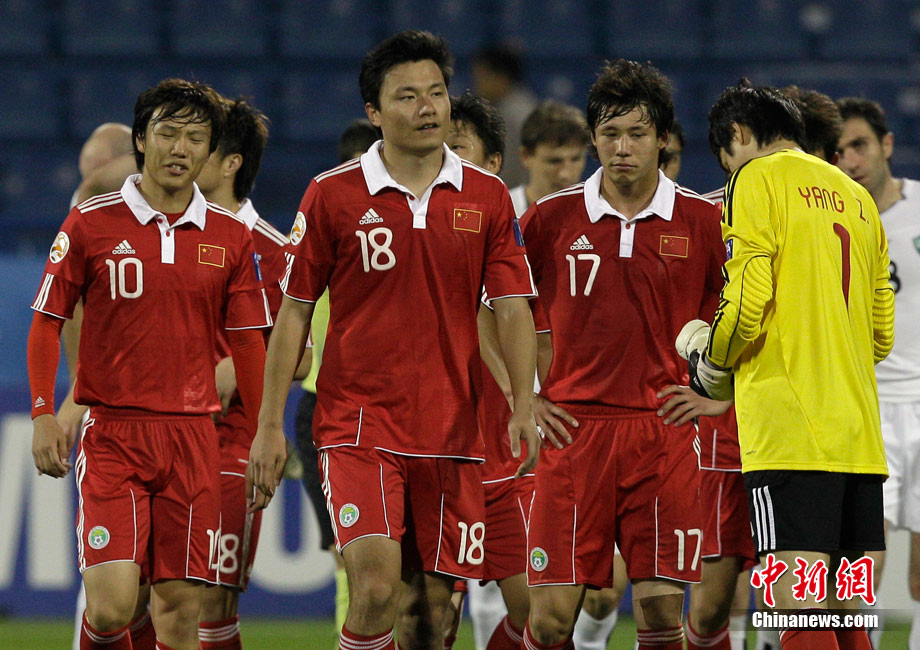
x=312 y=634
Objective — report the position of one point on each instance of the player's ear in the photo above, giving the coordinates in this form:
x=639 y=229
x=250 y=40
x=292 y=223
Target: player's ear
x=494 y=163
x=232 y=163
x=888 y=144
x=373 y=114
x=139 y=141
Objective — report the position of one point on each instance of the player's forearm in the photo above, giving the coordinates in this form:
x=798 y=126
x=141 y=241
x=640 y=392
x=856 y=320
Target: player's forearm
x=285 y=348
x=883 y=322
x=490 y=349
x=518 y=343
x=544 y=354
x=744 y=299
x=42 y=355
x=70 y=339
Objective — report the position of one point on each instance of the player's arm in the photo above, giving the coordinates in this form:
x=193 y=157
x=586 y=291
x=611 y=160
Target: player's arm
x=544 y=354
x=70 y=414
x=268 y=451
x=491 y=352
x=683 y=404
x=107 y=178
x=518 y=342
x=51 y=445
x=882 y=300
x=748 y=271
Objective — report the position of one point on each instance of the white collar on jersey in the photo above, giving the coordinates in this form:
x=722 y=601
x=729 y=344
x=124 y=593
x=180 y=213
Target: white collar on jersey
x=662 y=204
x=195 y=213
x=248 y=214
x=377 y=177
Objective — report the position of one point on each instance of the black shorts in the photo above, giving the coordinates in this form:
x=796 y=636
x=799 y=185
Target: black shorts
x=795 y=510
x=303 y=427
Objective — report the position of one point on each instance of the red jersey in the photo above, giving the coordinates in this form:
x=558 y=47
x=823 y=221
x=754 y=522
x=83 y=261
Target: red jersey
x=401 y=364
x=270 y=246
x=154 y=296
x=616 y=292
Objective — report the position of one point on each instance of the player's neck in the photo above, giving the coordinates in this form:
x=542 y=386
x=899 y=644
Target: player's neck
x=629 y=200
x=223 y=196
x=161 y=199
x=777 y=145
x=410 y=169
x=889 y=193
x=534 y=193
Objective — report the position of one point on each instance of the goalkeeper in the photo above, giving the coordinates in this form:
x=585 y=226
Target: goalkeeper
x=806 y=312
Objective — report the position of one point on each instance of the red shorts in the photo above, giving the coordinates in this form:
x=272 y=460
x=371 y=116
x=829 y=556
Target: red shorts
x=625 y=479
x=433 y=506
x=727 y=524
x=507 y=510
x=148 y=493
x=239 y=530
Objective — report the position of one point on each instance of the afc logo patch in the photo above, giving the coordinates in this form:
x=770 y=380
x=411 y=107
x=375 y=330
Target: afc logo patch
x=299 y=229
x=59 y=248
x=468 y=220
x=730 y=248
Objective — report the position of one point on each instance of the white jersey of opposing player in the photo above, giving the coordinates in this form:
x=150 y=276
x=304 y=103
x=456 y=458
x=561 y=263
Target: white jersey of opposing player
x=519 y=200
x=899 y=375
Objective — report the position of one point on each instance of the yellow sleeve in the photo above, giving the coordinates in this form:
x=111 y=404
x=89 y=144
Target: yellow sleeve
x=750 y=241
x=883 y=300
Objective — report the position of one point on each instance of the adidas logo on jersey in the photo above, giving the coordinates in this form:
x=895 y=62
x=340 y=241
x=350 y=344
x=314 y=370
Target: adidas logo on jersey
x=582 y=244
x=370 y=217
x=124 y=248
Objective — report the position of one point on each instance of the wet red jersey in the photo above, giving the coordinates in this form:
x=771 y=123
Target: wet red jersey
x=616 y=292
x=154 y=295
x=401 y=364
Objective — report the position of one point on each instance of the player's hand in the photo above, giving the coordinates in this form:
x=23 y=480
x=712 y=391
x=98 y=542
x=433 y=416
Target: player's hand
x=706 y=378
x=266 y=466
x=70 y=415
x=225 y=378
x=694 y=336
x=51 y=447
x=550 y=418
x=522 y=426
x=684 y=405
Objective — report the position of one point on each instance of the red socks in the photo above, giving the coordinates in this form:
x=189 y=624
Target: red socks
x=348 y=640
x=853 y=639
x=809 y=640
x=719 y=640
x=506 y=637
x=223 y=635
x=142 y=635
x=669 y=638
x=91 y=639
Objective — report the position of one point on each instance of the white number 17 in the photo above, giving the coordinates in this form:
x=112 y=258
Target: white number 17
x=595 y=264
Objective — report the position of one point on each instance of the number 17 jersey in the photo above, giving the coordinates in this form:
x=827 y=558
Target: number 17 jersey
x=401 y=364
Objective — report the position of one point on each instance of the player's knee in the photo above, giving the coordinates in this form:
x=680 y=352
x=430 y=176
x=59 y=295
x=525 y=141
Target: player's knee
x=708 y=616
x=600 y=604
x=549 y=627
x=110 y=614
x=372 y=594
x=218 y=604
x=661 y=611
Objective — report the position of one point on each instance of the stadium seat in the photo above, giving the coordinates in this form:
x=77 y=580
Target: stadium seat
x=764 y=29
x=27 y=103
x=107 y=94
x=866 y=30
x=284 y=175
x=564 y=80
x=252 y=81
x=224 y=28
x=36 y=183
x=111 y=27
x=317 y=105
x=348 y=28
x=639 y=29
x=465 y=24
x=548 y=28
x=23 y=28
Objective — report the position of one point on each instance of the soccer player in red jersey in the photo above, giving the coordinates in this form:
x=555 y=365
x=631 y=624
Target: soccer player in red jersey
x=159 y=270
x=620 y=261
x=227 y=180
x=405 y=238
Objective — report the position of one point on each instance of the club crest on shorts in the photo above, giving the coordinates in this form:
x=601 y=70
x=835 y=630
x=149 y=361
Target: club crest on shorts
x=348 y=515
x=98 y=537
x=538 y=559
x=59 y=248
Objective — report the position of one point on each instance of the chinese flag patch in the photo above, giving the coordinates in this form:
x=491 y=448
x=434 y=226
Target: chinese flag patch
x=672 y=246
x=211 y=255
x=469 y=220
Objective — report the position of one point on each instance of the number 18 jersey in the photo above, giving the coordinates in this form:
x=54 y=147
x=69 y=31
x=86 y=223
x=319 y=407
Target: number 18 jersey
x=401 y=364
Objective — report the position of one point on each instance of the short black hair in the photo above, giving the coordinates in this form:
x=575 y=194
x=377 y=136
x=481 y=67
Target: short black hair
x=478 y=113
x=623 y=86
x=768 y=113
x=665 y=155
x=554 y=124
x=872 y=112
x=823 y=126
x=502 y=59
x=405 y=47
x=245 y=133
x=357 y=137
x=186 y=101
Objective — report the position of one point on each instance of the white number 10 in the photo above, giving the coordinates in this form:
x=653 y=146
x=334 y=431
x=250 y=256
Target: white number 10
x=119 y=285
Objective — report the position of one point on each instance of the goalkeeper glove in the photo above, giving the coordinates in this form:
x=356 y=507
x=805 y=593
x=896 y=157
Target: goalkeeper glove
x=706 y=379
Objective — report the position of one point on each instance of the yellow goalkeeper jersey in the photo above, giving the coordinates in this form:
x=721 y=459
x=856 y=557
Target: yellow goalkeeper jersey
x=806 y=312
